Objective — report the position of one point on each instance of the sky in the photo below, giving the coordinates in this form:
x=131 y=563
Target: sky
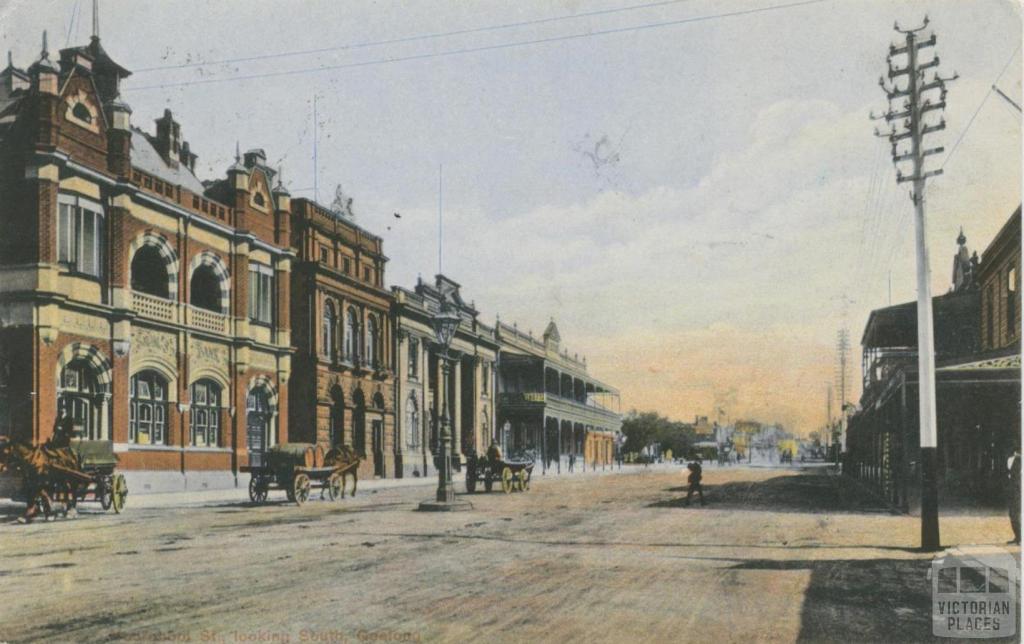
x=690 y=188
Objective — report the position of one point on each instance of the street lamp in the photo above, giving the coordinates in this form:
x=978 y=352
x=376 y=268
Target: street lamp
x=445 y=323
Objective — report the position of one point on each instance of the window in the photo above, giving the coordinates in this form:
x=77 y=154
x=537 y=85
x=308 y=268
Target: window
x=485 y=378
x=328 y=330
x=204 y=289
x=346 y=265
x=80 y=235
x=372 y=337
x=81 y=112
x=149 y=272
x=258 y=199
x=366 y=273
x=412 y=421
x=1011 y=302
x=351 y=333
x=205 y=413
x=261 y=293
x=323 y=254
x=147 y=417
x=79 y=397
x=414 y=357
x=990 y=316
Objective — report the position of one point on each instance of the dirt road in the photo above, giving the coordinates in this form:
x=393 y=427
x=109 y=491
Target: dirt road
x=777 y=555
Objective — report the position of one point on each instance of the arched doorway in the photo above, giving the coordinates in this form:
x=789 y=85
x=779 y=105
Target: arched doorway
x=259 y=414
x=377 y=437
x=359 y=422
x=337 y=428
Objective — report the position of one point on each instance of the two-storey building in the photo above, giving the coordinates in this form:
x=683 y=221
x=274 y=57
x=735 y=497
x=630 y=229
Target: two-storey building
x=549 y=404
x=342 y=389
x=151 y=308
x=469 y=390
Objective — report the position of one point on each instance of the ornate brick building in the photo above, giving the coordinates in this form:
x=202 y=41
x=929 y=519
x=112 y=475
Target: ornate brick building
x=149 y=306
x=342 y=388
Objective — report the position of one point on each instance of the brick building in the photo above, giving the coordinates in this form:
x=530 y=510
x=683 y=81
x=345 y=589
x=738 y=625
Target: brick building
x=342 y=387
x=150 y=306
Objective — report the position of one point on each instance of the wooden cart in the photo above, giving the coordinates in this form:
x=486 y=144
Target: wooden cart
x=513 y=474
x=89 y=475
x=296 y=468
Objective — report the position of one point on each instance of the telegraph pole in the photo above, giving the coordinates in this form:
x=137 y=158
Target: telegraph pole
x=908 y=114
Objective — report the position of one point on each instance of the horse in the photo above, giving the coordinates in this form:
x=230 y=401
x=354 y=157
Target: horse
x=345 y=461
x=41 y=468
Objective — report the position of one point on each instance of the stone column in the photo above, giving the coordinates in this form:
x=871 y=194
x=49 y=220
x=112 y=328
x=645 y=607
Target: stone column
x=455 y=414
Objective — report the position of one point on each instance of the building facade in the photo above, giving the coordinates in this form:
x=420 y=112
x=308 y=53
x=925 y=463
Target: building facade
x=977 y=379
x=549 y=405
x=151 y=308
x=423 y=393
x=343 y=384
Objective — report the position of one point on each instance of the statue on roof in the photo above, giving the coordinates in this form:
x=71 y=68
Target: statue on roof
x=342 y=204
x=963 y=266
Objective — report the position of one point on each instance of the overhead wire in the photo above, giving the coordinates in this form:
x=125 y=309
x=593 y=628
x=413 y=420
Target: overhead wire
x=469 y=50
x=984 y=99
x=393 y=41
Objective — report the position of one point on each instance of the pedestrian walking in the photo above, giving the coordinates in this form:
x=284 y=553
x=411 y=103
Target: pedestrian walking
x=694 y=480
x=1013 y=493
x=572 y=462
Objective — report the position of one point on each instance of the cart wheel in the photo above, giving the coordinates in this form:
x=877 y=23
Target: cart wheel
x=119 y=493
x=506 y=480
x=334 y=484
x=524 y=480
x=300 y=489
x=257 y=489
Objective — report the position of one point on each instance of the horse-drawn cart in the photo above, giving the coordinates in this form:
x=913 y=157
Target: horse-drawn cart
x=55 y=479
x=513 y=474
x=296 y=467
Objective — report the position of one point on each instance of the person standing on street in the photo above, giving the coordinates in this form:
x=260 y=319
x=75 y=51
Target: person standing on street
x=694 y=480
x=1013 y=493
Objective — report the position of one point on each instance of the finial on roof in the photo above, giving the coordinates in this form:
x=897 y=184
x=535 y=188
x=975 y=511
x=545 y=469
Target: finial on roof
x=45 y=53
x=10 y=58
x=238 y=152
x=961 y=239
x=96 y=19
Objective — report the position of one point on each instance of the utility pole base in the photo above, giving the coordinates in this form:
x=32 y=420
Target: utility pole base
x=930 y=541
x=458 y=505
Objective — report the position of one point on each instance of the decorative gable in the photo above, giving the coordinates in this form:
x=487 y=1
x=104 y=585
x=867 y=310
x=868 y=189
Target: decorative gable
x=259 y=192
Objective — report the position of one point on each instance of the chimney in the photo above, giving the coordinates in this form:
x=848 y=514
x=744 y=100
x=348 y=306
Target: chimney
x=168 y=138
x=187 y=157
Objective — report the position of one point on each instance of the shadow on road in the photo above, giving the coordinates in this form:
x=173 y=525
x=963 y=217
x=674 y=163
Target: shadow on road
x=875 y=600
x=787 y=493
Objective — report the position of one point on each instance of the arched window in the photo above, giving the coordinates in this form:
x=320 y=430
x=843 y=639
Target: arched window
x=149 y=272
x=147 y=418
x=372 y=336
x=328 y=329
x=412 y=422
x=78 y=397
x=204 y=289
x=351 y=333
x=205 y=413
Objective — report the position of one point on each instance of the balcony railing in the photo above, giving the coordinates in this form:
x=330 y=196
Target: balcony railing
x=154 y=307
x=208 y=320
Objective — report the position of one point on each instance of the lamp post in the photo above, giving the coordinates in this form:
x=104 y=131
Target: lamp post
x=445 y=324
